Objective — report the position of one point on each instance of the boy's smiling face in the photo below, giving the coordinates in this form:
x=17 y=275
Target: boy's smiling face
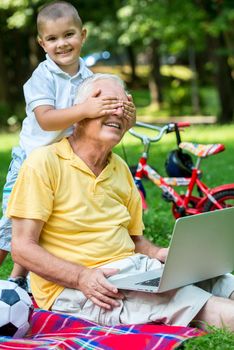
x=62 y=40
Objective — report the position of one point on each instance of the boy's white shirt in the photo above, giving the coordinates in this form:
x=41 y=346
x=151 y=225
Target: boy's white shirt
x=48 y=85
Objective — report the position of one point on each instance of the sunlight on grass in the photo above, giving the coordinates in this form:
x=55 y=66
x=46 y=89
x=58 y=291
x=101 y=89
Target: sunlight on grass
x=179 y=72
x=7 y=141
x=193 y=133
x=210 y=134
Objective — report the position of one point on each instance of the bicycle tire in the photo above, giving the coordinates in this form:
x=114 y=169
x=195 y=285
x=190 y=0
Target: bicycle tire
x=222 y=197
x=143 y=201
x=133 y=169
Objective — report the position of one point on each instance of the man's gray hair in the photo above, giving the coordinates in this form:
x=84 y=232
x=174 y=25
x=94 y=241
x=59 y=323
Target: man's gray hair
x=85 y=88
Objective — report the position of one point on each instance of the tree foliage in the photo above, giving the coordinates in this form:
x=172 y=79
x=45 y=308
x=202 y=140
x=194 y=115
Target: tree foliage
x=198 y=33
x=180 y=26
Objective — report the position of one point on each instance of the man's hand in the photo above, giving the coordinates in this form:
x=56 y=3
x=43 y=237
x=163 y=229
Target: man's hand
x=162 y=254
x=96 y=106
x=94 y=285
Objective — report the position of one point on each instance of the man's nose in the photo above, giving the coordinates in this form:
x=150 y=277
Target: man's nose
x=119 y=111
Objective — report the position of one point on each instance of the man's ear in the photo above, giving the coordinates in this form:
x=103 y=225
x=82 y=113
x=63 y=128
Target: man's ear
x=41 y=43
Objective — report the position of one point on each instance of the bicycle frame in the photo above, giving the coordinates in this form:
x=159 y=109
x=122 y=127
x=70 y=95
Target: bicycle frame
x=186 y=204
x=166 y=183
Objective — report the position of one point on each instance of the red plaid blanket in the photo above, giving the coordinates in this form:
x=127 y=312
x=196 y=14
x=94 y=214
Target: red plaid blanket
x=54 y=331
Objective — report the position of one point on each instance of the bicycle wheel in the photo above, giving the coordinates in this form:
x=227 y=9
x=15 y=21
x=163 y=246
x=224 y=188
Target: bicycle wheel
x=224 y=198
x=133 y=169
x=178 y=213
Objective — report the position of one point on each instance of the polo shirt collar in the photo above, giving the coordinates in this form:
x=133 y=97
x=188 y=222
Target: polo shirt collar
x=83 y=68
x=54 y=68
x=63 y=149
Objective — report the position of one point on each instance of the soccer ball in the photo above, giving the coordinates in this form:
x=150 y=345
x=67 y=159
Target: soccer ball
x=15 y=310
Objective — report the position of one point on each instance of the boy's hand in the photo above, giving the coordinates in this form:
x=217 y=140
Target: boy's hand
x=130 y=112
x=96 y=106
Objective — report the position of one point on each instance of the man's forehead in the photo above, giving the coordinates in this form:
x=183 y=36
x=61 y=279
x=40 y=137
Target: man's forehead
x=110 y=88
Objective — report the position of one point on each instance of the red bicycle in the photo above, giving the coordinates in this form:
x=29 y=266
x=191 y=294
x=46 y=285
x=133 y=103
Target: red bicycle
x=182 y=172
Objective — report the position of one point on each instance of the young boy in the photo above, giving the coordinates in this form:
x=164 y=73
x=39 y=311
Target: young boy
x=49 y=96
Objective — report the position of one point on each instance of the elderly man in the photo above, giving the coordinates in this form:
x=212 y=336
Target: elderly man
x=77 y=220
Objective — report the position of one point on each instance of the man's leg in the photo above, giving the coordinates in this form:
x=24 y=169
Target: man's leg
x=217 y=312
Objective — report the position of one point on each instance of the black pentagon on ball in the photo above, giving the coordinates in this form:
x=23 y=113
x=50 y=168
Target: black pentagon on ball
x=8 y=329
x=9 y=296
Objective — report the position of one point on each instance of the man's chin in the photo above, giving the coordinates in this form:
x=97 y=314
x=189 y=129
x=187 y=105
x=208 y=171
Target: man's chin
x=110 y=140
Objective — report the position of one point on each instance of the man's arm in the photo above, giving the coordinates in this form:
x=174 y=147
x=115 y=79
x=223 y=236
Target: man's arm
x=144 y=246
x=27 y=252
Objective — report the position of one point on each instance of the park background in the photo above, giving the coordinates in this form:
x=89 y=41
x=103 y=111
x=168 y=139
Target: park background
x=177 y=59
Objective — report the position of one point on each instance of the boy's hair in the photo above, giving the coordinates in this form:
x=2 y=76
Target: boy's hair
x=85 y=88
x=55 y=10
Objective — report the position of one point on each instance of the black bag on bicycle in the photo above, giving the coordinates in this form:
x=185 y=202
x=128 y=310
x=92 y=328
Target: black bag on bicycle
x=179 y=164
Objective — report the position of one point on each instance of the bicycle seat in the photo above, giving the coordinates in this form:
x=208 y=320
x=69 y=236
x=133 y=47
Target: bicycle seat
x=201 y=150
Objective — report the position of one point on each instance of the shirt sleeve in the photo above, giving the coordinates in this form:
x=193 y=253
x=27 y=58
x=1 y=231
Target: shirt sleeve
x=32 y=195
x=39 y=89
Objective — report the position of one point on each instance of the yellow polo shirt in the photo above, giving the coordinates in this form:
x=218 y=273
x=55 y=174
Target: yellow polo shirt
x=88 y=219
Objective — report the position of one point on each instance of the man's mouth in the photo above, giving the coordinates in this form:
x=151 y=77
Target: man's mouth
x=113 y=125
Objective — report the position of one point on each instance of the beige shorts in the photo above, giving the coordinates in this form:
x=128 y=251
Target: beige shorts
x=177 y=307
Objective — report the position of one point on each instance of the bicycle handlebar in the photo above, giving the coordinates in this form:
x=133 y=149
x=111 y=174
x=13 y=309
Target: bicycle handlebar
x=183 y=124
x=171 y=127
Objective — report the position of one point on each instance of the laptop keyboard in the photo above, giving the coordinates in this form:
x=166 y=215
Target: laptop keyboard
x=152 y=282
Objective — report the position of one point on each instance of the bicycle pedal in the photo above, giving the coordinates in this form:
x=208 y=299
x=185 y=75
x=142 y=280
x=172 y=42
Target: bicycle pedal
x=167 y=197
x=181 y=211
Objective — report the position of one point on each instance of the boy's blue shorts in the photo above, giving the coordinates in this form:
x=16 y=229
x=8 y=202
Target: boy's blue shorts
x=18 y=156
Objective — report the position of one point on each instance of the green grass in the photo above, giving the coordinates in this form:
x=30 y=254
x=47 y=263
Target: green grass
x=216 y=339
x=218 y=169
x=7 y=141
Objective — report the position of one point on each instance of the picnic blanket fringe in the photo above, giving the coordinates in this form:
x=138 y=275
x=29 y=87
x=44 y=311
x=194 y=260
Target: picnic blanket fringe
x=51 y=330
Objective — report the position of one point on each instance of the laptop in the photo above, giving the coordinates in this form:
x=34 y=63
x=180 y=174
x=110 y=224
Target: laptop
x=201 y=247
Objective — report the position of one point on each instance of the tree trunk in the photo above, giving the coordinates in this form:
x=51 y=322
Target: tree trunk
x=225 y=83
x=132 y=62
x=155 y=79
x=33 y=52
x=194 y=84
x=4 y=86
